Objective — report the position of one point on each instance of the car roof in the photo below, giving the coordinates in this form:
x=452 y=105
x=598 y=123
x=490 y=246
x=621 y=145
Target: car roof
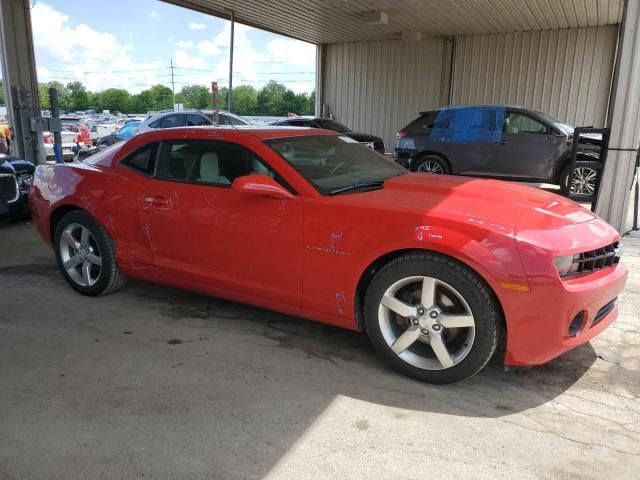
x=266 y=132
x=462 y=107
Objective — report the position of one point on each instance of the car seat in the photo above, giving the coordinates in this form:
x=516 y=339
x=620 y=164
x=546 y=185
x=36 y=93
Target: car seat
x=210 y=169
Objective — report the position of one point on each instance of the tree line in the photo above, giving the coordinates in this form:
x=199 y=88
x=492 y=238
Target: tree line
x=274 y=99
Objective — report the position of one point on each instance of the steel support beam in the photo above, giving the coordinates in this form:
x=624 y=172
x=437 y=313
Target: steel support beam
x=21 y=83
x=624 y=121
x=320 y=73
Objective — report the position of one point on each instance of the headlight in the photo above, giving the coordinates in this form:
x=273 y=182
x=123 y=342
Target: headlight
x=565 y=264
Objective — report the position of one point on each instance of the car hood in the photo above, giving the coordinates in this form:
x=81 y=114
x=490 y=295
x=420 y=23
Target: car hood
x=501 y=206
x=363 y=137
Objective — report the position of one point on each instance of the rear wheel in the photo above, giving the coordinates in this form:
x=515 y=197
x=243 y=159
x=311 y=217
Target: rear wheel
x=86 y=255
x=432 y=164
x=431 y=318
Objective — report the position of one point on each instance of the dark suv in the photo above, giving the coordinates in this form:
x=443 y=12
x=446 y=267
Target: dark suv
x=497 y=141
x=15 y=180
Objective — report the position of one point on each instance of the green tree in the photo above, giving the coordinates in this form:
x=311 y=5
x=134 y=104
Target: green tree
x=1 y=92
x=194 y=96
x=64 y=96
x=162 y=97
x=142 y=102
x=270 y=99
x=43 y=93
x=223 y=96
x=78 y=96
x=310 y=108
x=245 y=100
x=115 y=100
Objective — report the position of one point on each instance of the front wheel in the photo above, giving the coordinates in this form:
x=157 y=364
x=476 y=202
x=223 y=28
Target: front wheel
x=86 y=255
x=431 y=318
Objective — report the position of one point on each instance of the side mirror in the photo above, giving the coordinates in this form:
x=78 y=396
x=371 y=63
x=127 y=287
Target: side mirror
x=259 y=184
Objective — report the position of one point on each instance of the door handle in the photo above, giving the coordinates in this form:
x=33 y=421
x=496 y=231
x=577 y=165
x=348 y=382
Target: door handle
x=155 y=200
x=502 y=142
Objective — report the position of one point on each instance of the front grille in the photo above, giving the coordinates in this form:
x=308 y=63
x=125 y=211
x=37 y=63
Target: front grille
x=8 y=188
x=597 y=259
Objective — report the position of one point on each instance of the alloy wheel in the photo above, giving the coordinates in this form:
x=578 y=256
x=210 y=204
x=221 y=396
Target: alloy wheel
x=584 y=181
x=80 y=255
x=426 y=322
x=430 y=166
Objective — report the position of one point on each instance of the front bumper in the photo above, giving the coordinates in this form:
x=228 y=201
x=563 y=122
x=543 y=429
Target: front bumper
x=539 y=322
x=17 y=209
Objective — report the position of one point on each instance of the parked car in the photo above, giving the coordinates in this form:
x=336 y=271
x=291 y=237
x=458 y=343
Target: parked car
x=16 y=176
x=83 y=135
x=371 y=141
x=308 y=223
x=187 y=118
x=497 y=141
x=69 y=140
x=124 y=133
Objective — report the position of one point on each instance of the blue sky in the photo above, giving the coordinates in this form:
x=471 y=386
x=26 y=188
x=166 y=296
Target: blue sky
x=130 y=45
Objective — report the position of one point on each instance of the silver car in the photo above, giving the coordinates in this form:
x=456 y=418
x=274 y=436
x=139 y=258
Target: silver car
x=187 y=118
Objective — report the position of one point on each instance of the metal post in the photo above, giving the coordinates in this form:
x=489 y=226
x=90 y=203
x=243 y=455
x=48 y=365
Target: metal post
x=637 y=192
x=173 y=88
x=230 y=95
x=452 y=68
x=55 y=113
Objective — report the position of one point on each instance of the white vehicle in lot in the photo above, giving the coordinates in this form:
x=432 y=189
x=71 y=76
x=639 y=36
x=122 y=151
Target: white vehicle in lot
x=187 y=118
x=68 y=142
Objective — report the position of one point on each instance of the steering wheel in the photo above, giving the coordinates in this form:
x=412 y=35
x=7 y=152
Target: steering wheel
x=336 y=168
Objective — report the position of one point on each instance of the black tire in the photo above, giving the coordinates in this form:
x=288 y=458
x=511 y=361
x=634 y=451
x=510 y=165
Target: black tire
x=432 y=160
x=477 y=294
x=564 y=180
x=110 y=278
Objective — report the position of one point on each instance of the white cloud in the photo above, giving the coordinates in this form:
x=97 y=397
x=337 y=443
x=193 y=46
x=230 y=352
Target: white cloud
x=292 y=51
x=185 y=44
x=240 y=39
x=207 y=47
x=184 y=60
x=154 y=14
x=196 y=26
x=97 y=59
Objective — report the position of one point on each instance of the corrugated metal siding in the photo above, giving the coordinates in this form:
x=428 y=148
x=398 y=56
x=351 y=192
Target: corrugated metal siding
x=565 y=73
x=332 y=21
x=379 y=87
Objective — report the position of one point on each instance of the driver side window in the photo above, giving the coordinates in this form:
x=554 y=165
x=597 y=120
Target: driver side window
x=212 y=163
x=520 y=123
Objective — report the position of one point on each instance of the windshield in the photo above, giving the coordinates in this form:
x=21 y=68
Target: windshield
x=329 y=124
x=563 y=127
x=331 y=162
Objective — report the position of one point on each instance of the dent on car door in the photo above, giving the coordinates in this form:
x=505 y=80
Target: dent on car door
x=202 y=231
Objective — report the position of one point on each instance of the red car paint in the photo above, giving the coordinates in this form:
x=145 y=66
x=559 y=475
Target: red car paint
x=306 y=255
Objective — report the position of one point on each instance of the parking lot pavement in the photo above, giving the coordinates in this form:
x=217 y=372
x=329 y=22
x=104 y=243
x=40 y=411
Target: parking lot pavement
x=161 y=383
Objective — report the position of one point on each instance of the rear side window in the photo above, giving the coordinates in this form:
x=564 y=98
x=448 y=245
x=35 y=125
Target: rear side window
x=194 y=120
x=155 y=124
x=423 y=121
x=171 y=121
x=143 y=160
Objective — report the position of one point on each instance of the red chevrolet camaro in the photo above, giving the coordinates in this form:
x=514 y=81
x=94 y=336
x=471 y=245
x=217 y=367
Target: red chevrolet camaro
x=310 y=223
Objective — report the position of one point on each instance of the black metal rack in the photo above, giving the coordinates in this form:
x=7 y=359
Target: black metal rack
x=597 y=163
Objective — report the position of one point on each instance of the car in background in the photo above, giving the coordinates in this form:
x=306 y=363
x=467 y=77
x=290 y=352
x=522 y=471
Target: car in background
x=187 y=118
x=307 y=222
x=370 y=141
x=16 y=176
x=69 y=141
x=81 y=131
x=125 y=132
x=498 y=141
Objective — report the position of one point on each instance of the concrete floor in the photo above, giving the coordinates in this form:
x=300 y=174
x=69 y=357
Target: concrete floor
x=159 y=383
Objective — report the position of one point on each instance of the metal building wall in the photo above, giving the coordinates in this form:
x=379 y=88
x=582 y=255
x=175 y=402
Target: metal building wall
x=378 y=87
x=565 y=73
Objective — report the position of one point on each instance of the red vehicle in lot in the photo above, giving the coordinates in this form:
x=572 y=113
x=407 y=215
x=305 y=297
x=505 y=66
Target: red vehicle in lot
x=310 y=223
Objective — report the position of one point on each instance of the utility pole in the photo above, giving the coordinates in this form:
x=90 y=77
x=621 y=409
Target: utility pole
x=230 y=95
x=173 y=88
